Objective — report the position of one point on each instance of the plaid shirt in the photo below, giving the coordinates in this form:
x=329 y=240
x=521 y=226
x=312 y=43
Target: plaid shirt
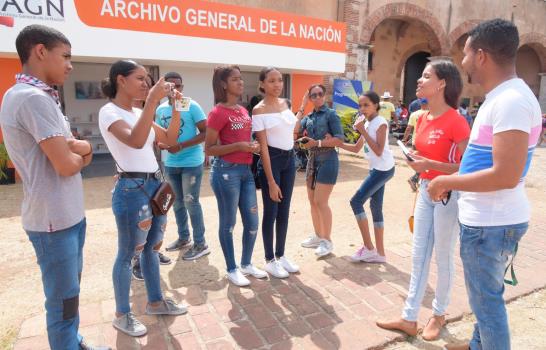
x=30 y=80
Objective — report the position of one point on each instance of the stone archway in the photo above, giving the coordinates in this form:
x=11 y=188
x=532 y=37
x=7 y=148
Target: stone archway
x=403 y=61
x=461 y=30
x=537 y=42
x=439 y=43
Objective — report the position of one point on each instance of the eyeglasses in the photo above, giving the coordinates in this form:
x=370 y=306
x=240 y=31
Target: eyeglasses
x=316 y=95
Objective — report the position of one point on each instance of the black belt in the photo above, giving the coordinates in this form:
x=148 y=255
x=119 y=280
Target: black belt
x=136 y=175
x=280 y=151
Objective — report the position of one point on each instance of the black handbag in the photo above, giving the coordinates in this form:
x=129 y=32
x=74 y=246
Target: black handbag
x=163 y=198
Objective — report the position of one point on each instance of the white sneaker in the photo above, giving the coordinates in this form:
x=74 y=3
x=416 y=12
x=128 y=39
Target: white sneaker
x=237 y=278
x=275 y=269
x=288 y=265
x=311 y=242
x=129 y=325
x=380 y=259
x=325 y=247
x=253 y=271
x=363 y=254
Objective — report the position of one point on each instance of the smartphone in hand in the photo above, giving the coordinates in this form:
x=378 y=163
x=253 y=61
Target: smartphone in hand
x=405 y=150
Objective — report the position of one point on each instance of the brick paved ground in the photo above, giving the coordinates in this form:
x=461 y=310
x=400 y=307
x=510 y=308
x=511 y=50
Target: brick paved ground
x=331 y=304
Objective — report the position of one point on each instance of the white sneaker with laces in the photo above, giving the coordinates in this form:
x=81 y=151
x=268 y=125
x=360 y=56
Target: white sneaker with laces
x=237 y=278
x=325 y=247
x=311 y=242
x=288 y=265
x=363 y=254
x=253 y=271
x=380 y=259
x=129 y=325
x=275 y=269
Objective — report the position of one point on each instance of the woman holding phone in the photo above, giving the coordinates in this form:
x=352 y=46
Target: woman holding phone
x=374 y=133
x=441 y=138
x=129 y=134
x=228 y=139
x=323 y=133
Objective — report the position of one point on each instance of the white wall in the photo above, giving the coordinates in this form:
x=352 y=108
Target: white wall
x=80 y=109
x=197 y=83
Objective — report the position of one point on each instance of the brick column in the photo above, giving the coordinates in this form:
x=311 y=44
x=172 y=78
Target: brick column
x=542 y=92
x=361 y=72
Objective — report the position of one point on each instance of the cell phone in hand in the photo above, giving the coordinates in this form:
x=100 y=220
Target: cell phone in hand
x=405 y=150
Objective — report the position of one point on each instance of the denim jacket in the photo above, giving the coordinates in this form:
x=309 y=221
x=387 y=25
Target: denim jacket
x=319 y=123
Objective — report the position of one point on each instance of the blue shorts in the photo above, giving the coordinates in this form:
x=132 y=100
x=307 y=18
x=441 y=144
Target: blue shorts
x=322 y=167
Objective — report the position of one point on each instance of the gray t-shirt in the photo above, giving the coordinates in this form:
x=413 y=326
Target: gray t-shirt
x=51 y=202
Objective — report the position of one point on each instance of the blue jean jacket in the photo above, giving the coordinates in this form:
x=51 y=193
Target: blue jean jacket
x=319 y=123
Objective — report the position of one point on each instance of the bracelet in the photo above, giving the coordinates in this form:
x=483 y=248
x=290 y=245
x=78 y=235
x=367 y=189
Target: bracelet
x=319 y=143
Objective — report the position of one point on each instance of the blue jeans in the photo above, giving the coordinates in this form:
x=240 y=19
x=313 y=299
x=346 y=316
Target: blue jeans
x=233 y=186
x=485 y=252
x=60 y=257
x=137 y=228
x=283 y=168
x=435 y=227
x=186 y=183
x=373 y=187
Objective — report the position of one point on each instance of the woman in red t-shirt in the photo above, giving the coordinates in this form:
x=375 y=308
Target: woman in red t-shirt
x=228 y=139
x=441 y=138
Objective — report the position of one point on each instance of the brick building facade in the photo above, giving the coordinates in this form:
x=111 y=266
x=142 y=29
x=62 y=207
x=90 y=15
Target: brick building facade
x=383 y=35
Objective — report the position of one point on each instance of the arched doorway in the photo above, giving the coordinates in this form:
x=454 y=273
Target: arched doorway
x=528 y=67
x=413 y=69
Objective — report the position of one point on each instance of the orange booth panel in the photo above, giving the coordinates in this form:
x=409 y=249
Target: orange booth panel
x=300 y=85
x=8 y=68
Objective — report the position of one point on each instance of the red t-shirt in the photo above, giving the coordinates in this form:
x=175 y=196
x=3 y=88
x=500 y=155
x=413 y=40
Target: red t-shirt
x=233 y=125
x=437 y=139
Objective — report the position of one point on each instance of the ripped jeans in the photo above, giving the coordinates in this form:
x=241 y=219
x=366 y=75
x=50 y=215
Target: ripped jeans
x=186 y=183
x=138 y=230
x=233 y=186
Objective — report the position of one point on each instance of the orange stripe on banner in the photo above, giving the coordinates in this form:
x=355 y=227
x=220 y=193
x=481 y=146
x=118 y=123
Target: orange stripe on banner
x=216 y=21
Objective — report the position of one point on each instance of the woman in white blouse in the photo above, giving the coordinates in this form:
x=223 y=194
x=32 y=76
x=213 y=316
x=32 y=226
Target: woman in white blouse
x=275 y=124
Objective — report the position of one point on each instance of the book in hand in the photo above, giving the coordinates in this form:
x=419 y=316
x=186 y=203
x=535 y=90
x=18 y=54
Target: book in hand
x=405 y=150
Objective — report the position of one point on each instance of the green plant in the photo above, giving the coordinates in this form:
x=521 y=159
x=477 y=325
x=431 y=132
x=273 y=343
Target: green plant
x=4 y=158
x=347 y=120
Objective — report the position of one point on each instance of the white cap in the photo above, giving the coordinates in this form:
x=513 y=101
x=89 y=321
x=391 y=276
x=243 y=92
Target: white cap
x=386 y=94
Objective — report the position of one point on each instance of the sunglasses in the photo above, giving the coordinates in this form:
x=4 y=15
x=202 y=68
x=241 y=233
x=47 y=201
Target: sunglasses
x=315 y=95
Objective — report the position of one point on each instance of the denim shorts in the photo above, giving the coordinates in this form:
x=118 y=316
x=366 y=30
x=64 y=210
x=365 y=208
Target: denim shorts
x=323 y=165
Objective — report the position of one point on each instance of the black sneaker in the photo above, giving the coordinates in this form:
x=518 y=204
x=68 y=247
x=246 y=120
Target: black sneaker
x=163 y=259
x=178 y=244
x=195 y=252
x=414 y=182
x=137 y=272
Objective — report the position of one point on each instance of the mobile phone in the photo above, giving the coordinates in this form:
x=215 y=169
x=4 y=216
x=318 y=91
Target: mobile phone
x=405 y=150
x=182 y=104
